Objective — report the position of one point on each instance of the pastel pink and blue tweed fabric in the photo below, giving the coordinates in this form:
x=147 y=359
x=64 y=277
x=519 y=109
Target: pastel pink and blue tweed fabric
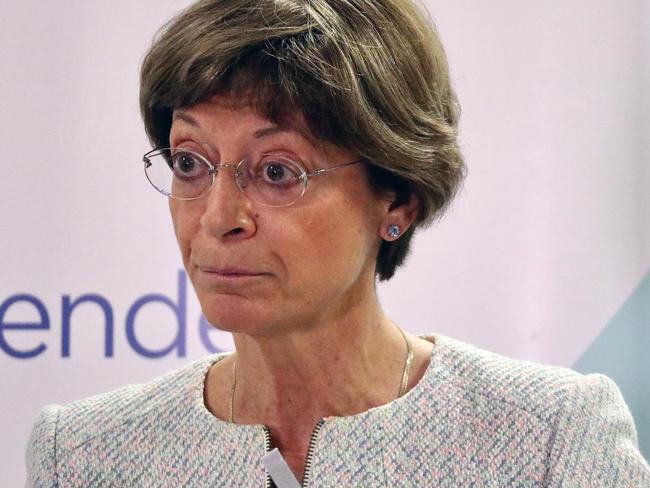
x=475 y=419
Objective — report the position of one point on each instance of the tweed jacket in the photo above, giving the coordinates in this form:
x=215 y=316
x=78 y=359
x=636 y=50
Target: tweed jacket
x=475 y=419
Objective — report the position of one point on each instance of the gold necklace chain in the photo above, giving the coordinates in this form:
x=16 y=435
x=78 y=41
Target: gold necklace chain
x=407 y=366
x=402 y=387
x=231 y=417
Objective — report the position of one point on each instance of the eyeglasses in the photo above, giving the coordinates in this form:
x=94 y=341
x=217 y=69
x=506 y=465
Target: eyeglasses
x=271 y=180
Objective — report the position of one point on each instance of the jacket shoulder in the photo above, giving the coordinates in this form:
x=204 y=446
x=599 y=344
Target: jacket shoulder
x=40 y=455
x=537 y=389
x=82 y=420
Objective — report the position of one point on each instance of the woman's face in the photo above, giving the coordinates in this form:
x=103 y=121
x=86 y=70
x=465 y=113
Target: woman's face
x=263 y=270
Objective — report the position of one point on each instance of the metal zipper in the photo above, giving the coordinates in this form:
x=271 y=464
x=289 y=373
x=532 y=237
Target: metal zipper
x=267 y=448
x=310 y=452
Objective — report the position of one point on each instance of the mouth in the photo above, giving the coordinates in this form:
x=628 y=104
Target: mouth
x=229 y=274
x=230 y=271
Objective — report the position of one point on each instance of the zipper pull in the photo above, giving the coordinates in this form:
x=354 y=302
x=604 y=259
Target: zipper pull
x=279 y=470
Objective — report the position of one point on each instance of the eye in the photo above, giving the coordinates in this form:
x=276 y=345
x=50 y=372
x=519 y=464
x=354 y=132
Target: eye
x=279 y=172
x=184 y=162
x=186 y=165
x=274 y=172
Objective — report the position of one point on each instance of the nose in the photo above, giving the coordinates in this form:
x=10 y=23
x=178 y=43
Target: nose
x=228 y=213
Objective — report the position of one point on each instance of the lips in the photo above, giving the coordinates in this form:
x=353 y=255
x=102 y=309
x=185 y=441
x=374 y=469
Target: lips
x=229 y=274
x=230 y=271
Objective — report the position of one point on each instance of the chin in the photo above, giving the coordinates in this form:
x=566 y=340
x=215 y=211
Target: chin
x=237 y=314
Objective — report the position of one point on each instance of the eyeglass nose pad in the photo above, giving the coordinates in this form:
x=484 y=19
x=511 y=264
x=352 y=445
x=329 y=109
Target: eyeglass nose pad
x=241 y=182
x=240 y=178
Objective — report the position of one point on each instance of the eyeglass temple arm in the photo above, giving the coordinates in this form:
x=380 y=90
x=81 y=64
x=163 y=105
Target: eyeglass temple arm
x=151 y=153
x=325 y=170
x=145 y=157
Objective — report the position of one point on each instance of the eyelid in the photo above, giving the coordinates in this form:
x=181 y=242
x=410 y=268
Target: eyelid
x=306 y=164
x=195 y=148
x=280 y=156
x=185 y=146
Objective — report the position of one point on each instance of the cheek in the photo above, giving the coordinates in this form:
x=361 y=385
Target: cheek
x=186 y=220
x=334 y=244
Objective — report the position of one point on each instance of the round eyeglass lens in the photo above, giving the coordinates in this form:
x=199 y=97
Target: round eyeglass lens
x=178 y=173
x=272 y=180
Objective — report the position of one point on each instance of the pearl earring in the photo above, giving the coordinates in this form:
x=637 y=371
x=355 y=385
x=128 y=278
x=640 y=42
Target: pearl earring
x=394 y=231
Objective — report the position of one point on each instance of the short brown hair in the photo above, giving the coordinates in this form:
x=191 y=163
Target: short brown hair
x=370 y=76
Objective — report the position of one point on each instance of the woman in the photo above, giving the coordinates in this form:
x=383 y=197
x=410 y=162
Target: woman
x=300 y=144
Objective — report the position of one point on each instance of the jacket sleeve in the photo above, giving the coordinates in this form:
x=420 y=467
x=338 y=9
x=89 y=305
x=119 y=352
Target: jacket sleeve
x=595 y=442
x=41 y=449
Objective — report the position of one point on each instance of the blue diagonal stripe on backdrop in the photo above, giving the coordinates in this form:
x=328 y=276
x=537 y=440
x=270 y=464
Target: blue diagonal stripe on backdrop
x=622 y=352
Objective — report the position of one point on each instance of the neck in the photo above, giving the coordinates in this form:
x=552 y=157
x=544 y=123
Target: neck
x=338 y=367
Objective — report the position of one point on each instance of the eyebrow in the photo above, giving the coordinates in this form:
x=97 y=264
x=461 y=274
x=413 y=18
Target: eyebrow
x=182 y=115
x=185 y=117
x=270 y=131
x=285 y=129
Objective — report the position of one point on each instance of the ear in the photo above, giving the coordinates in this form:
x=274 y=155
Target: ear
x=398 y=218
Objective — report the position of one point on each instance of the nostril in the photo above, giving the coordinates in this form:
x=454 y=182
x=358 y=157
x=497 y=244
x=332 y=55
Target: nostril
x=237 y=230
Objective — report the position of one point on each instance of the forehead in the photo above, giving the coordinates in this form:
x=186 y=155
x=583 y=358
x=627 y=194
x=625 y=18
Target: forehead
x=234 y=116
x=223 y=125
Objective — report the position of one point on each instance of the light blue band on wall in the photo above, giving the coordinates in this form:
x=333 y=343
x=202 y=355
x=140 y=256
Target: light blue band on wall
x=622 y=352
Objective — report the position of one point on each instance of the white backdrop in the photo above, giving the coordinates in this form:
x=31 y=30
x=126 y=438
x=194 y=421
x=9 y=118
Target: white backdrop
x=548 y=240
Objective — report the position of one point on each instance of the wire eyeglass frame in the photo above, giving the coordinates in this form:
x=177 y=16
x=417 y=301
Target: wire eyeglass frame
x=213 y=170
